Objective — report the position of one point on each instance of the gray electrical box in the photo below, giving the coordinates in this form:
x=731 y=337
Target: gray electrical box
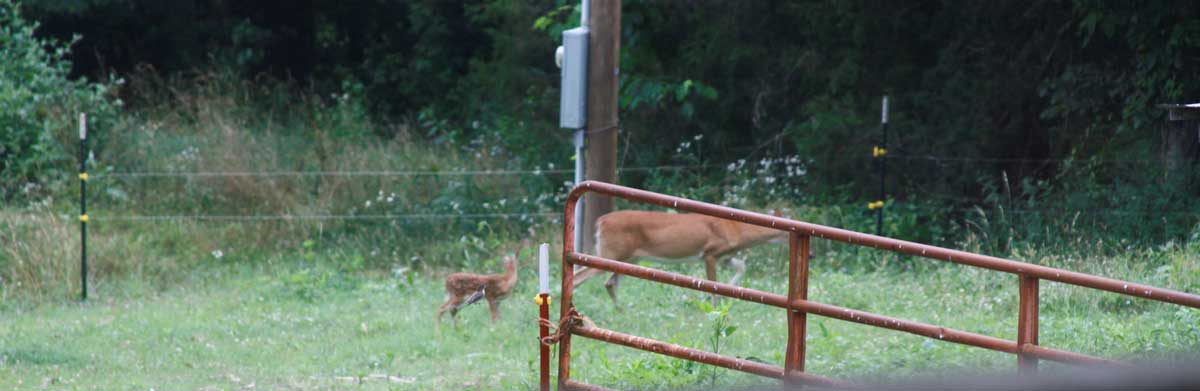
x=573 y=102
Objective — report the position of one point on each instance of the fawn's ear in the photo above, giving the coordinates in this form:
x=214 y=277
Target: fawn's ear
x=775 y=212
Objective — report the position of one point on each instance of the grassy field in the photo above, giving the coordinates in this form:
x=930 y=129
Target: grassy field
x=319 y=326
x=349 y=303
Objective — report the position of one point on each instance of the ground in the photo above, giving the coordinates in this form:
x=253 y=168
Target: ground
x=313 y=328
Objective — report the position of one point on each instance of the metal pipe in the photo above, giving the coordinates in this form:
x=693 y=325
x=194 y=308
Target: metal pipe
x=543 y=350
x=568 y=281
x=1027 y=323
x=1070 y=357
x=579 y=177
x=574 y=385
x=793 y=359
x=679 y=280
x=894 y=245
x=796 y=302
x=831 y=311
x=543 y=303
x=701 y=356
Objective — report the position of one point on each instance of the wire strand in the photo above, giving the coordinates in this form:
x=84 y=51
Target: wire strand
x=417 y=216
x=1011 y=160
x=381 y=173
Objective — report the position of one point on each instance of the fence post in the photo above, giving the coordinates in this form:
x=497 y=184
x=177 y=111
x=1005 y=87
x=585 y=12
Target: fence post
x=568 y=286
x=878 y=153
x=543 y=302
x=1027 y=324
x=798 y=246
x=83 y=217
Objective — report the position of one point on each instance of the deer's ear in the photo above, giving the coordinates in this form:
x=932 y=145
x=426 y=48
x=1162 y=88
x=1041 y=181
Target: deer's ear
x=775 y=212
x=524 y=244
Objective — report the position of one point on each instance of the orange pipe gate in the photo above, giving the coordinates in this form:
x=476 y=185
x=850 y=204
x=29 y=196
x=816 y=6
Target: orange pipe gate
x=796 y=301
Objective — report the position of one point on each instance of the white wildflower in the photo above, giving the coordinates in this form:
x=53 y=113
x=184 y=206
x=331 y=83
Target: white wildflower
x=218 y=254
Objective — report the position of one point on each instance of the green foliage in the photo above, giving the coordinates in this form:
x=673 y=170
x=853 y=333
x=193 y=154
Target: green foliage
x=38 y=107
x=721 y=329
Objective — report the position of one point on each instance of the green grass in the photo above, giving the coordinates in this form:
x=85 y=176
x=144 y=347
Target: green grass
x=322 y=326
x=314 y=304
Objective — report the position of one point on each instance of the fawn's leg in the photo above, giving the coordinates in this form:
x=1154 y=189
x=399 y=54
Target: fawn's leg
x=448 y=305
x=492 y=305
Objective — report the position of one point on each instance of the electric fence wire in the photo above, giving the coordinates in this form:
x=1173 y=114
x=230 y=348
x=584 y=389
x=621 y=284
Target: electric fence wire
x=1013 y=160
x=541 y=172
x=285 y=217
x=377 y=173
x=32 y=217
x=992 y=210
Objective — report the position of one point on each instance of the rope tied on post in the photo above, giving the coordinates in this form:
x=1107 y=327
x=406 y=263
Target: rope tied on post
x=565 y=326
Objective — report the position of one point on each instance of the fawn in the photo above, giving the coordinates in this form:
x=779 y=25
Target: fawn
x=463 y=289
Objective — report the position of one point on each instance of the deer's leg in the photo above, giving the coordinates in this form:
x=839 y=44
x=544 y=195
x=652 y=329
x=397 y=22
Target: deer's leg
x=611 y=286
x=450 y=304
x=710 y=270
x=585 y=274
x=492 y=305
x=441 y=310
x=437 y=325
x=739 y=268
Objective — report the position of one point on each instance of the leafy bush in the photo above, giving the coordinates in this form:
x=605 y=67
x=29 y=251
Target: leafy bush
x=38 y=106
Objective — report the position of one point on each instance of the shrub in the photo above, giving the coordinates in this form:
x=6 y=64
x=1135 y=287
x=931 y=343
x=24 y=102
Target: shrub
x=38 y=106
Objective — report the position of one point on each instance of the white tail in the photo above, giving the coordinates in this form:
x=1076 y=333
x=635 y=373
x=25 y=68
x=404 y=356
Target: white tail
x=463 y=289
x=624 y=235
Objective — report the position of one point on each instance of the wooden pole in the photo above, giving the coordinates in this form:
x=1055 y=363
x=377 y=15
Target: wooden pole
x=604 y=49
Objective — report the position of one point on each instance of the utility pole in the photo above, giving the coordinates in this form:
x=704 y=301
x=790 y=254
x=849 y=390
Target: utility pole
x=604 y=50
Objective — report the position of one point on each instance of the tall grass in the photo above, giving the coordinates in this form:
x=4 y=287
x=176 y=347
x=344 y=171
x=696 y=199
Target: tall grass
x=217 y=123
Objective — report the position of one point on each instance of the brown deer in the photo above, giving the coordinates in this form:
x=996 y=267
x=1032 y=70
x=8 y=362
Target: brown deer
x=685 y=237
x=463 y=289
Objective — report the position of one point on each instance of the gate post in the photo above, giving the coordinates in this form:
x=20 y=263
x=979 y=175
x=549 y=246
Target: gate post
x=1027 y=324
x=797 y=319
x=568 y=288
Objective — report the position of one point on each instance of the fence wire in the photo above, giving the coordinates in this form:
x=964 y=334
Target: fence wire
x=415 y=216
x=1013 y=160
x=377 y=173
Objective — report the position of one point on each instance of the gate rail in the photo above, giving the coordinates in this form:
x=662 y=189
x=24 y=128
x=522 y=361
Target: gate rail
x=796 y=301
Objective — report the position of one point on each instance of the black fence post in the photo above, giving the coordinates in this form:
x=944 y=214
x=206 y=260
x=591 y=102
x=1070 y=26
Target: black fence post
x=83 y=217
x=878 y=152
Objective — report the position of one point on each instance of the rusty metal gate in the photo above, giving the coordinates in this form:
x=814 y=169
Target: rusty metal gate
x=798 y=306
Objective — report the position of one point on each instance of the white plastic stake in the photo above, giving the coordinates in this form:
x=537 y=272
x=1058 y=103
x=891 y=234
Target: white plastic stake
x=83 y=126
x=544 y=268
x=884 y=111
